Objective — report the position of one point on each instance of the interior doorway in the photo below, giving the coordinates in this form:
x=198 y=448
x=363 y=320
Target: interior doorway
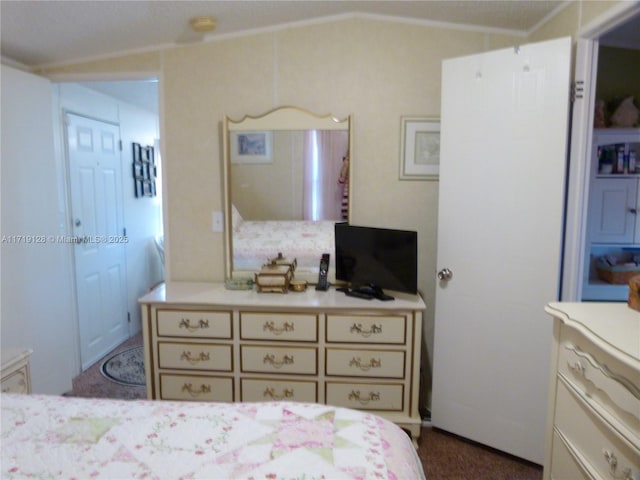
x=95 y=181
x=133 y=107
x=620 y=28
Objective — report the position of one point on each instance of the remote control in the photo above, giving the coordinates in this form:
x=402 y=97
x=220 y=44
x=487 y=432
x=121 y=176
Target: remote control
x=357 y=294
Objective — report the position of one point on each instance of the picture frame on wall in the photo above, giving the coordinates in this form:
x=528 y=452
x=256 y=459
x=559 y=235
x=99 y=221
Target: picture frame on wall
x=251 y=147
x=144 y=170
x=420 y=148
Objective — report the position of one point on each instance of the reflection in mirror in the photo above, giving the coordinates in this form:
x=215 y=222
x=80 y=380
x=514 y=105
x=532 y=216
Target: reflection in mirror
x=302 y=179
x=287 y=180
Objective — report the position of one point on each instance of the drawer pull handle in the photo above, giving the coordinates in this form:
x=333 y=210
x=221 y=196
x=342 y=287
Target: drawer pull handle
x=271 y=393
x=186 y=323
x=625 y=382
x=271 y=359
x=355 y=395
x=203 y=357
x=612 y=460
x=187 y=387
x=357 y=328
x=270 y=326
x=373 y=363
x=578 y=368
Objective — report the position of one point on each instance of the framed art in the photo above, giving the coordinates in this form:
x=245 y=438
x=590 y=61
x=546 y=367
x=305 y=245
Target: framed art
x=250 y=147
x=420 y=148
x=144 y=171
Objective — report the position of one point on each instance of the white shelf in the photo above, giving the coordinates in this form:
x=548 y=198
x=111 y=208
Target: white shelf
x=602 y=291
x=618 y=175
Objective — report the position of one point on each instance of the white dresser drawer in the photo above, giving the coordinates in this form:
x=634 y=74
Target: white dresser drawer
x=388 y=329
x=204 y=341
x=193 y=323
x=201 y=388
x=564 y=464
x=195 y=356
x=259 y=390
x=17 y=382
x=365 y=363
x=365 y=396
x=292 y=327
x=608 y=382
x=272 y=359
x=606 y=452
x=14 y=372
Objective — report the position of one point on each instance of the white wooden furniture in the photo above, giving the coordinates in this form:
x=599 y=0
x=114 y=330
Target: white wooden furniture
x=16 y=377
x=614 y=203
x=593 y=425
x=204 y=342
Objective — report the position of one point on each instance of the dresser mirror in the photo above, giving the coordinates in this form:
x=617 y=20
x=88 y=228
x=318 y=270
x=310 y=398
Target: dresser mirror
x=287 y=182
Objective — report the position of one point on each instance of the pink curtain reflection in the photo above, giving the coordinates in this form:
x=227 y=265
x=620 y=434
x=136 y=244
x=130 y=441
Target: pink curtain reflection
x=324 y=151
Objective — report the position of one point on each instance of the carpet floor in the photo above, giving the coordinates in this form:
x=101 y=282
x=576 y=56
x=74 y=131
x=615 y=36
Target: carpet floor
x=92 y=383
x=444 y=456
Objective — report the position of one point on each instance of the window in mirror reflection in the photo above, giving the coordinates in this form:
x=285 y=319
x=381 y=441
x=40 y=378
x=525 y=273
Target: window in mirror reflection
x=307 y=178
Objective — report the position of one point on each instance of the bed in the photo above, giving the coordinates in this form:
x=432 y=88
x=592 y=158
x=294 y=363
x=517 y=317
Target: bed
x=61 y=437
x=254 y=242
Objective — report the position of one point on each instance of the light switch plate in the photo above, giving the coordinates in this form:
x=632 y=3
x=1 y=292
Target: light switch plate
x=217 y=222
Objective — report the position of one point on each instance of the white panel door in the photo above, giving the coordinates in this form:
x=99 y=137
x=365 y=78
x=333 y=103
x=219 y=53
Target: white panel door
x=96 y=208
x=503 y=157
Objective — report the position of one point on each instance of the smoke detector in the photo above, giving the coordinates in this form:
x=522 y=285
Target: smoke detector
x=203 y=23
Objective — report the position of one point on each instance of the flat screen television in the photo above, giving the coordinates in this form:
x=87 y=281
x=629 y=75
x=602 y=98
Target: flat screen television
x=377 y=258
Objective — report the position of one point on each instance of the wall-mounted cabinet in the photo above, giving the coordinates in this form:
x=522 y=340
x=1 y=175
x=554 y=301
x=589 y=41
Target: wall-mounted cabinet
x=613 y=225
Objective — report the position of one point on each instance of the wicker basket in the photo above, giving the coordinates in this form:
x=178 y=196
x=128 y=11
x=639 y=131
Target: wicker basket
x=616 y=274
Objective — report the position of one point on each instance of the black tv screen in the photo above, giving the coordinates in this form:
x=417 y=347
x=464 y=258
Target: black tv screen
x=380 y=257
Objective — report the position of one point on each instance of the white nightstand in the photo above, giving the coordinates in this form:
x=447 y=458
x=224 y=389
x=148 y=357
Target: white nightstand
x=16 y=377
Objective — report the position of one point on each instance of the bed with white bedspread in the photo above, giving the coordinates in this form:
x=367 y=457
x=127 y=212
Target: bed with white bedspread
x=61 y=437
x=255 y=242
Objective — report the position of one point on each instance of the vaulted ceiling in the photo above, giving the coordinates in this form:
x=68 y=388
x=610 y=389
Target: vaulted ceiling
x=37 y=33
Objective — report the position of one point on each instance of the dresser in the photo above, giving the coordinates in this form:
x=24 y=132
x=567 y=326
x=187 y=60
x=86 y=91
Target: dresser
x=14 y=373
x=206 y=343
x=593 y=426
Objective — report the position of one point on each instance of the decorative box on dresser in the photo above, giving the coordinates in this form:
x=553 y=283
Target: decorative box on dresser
x=15 y=374
x=206 y=343
x=593 y=429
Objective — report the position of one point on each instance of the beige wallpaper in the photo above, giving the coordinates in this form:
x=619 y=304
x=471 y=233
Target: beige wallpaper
x=592 y=9
x=576 y=15
x=271 y=190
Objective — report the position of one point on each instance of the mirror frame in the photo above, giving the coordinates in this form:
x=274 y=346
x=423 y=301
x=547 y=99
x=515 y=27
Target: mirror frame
x=281 y=118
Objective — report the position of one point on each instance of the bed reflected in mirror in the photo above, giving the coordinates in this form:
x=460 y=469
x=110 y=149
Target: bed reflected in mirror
x=287 y=180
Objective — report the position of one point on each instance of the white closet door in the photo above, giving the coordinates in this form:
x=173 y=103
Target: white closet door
x=502 y=174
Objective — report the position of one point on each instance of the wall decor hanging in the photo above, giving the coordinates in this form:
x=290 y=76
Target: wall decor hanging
x=420 y=148
x=144 y=171
x=251 y=147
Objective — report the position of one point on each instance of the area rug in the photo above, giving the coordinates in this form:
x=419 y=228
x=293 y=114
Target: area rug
x=126 y=367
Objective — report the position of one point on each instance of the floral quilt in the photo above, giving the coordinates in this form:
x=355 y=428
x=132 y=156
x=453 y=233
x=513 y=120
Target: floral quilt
x=78 y=438
x=255 y=242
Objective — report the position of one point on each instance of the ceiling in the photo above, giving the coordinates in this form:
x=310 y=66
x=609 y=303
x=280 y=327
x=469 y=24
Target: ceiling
x=43 y=32
x=37 y=33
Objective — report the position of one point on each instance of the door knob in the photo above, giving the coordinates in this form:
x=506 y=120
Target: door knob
x=445 y=274
x=77 y=223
